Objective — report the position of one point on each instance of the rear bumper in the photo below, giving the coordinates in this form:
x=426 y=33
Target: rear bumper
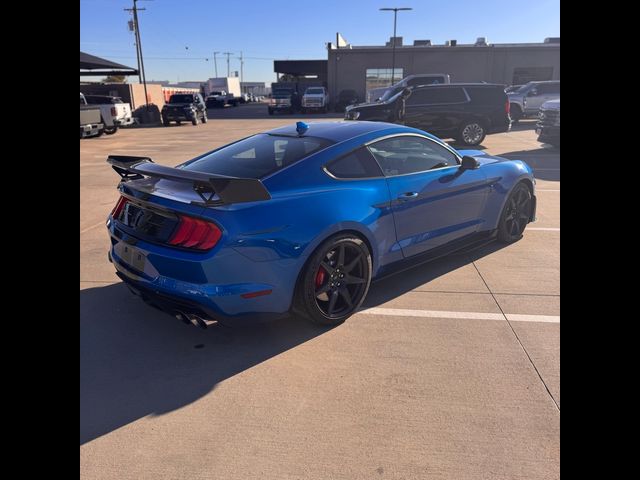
x=213 y=285
x=90 y=130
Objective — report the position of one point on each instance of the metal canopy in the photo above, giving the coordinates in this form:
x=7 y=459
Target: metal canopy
x=90 y=65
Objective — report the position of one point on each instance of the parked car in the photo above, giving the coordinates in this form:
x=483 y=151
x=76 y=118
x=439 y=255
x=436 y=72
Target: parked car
x=466 y=112
x=416 y=80
x=512 y=88
x=244 y=232
x=527 y=100
x=115 y=113
x=315 y=99
x=548 y=125
x=281 y=100
x=91 y=124
x=345 y=98
x=188 y=107
x=221 y=98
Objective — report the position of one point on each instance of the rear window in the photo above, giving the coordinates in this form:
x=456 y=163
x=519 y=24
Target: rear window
x=487 y=95
x=315 y=91
x=257 y=156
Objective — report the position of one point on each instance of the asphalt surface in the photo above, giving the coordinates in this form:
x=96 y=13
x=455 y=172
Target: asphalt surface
x=452 y=372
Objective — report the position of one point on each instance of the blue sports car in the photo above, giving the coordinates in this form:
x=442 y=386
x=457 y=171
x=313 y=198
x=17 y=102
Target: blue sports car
x=303 y=217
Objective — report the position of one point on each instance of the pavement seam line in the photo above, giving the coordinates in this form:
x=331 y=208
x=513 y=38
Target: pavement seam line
x=518 y=339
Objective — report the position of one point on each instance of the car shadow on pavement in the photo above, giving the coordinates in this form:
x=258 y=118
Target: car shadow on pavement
x=389 y=287
x=136 y=361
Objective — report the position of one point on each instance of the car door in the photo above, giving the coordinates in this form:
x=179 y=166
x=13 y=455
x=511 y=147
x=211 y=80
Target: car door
x=435 y=109
x=537 y=95
x=433 y=201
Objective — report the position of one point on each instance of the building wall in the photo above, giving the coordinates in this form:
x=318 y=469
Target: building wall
x=494 y=63
x=131 y=93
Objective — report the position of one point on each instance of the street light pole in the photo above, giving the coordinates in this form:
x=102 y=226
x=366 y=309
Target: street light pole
x=215 y=62
x=393 y=40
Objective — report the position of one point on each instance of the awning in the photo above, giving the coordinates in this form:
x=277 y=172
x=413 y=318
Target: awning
x=96 y=66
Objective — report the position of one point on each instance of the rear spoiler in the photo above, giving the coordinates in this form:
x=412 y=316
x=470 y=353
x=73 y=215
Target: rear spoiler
x=206 y=185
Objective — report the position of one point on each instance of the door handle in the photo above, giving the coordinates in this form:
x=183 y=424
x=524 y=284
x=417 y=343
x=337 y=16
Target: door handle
x=407 y=196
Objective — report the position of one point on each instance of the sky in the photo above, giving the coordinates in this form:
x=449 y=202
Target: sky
x=180 y=36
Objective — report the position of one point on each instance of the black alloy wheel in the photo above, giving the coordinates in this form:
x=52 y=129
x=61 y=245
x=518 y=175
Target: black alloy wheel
x=516 y=214
x=336 y=280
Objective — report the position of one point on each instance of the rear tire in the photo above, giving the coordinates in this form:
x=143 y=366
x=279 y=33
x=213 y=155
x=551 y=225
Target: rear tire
x=472 y=133
x=516 y=214
x=204 y=117
x=195 y=120
x=111 y=130
x=335 y=280
x=166 y=122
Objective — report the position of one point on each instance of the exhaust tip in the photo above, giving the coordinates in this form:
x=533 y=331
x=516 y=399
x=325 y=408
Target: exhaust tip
x=182 y=317
x=201 y=322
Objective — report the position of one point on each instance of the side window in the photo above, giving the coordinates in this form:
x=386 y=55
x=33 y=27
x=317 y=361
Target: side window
x=546 y=88
x=435 y=96
x=358 y=164
x=402 y=155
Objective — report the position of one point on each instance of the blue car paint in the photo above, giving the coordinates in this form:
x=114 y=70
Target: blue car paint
x=264 y=245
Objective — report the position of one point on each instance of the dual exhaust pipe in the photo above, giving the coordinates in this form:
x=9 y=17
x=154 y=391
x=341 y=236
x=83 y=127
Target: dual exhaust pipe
x=192 y=319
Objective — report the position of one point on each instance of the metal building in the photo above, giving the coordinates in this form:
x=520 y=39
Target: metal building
x=362 y=68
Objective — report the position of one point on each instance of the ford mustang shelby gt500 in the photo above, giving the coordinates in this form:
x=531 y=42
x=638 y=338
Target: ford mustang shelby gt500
x=301 y=218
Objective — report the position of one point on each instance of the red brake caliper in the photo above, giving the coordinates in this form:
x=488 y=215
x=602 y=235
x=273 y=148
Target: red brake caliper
x=320 y=277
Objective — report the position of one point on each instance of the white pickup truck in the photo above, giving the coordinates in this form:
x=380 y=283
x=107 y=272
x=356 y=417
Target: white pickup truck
x=115 y=113
x=315 y=98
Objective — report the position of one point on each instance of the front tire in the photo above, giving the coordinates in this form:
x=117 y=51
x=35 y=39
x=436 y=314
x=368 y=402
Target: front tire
x=111 y=130
x=516 y=214
x=335 y=281
x=205 y=119
x=515 y=112
x=472 y=133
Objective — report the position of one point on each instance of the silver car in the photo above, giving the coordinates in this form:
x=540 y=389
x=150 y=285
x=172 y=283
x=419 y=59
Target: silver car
x=527 y=100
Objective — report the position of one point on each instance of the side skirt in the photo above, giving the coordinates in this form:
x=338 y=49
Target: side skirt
x=469 y=242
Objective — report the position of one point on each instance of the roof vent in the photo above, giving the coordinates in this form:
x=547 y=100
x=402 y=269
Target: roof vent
x=422 y=43
x=552 y=40
x=481 y=41
x=396 y=40
x=451 y=43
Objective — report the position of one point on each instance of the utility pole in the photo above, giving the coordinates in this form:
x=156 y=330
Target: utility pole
x=215 y=62
x=141 y=75
x=393 y=40
x=241 y=70
x=228 y=54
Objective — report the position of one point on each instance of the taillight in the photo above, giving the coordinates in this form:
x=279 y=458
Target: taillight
x=114 y=112
x=507 y=107
x=115 y=213
x=196 y=234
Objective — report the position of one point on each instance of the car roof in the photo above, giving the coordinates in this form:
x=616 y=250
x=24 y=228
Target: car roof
x=337 y=131
x=467 y=84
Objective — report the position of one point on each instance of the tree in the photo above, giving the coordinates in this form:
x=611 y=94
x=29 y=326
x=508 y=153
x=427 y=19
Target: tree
x=115 y=79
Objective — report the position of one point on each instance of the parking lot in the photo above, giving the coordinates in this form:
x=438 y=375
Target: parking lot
x=452 y=370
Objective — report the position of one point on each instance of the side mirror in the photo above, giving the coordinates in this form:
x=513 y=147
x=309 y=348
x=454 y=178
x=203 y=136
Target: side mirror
x=469 y=163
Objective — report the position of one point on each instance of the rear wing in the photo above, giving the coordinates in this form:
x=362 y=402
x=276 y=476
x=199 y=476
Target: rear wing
x=206 y=185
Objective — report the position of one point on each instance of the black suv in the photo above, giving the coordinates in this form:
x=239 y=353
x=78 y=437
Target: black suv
x=184 y=106
x=466 y=112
